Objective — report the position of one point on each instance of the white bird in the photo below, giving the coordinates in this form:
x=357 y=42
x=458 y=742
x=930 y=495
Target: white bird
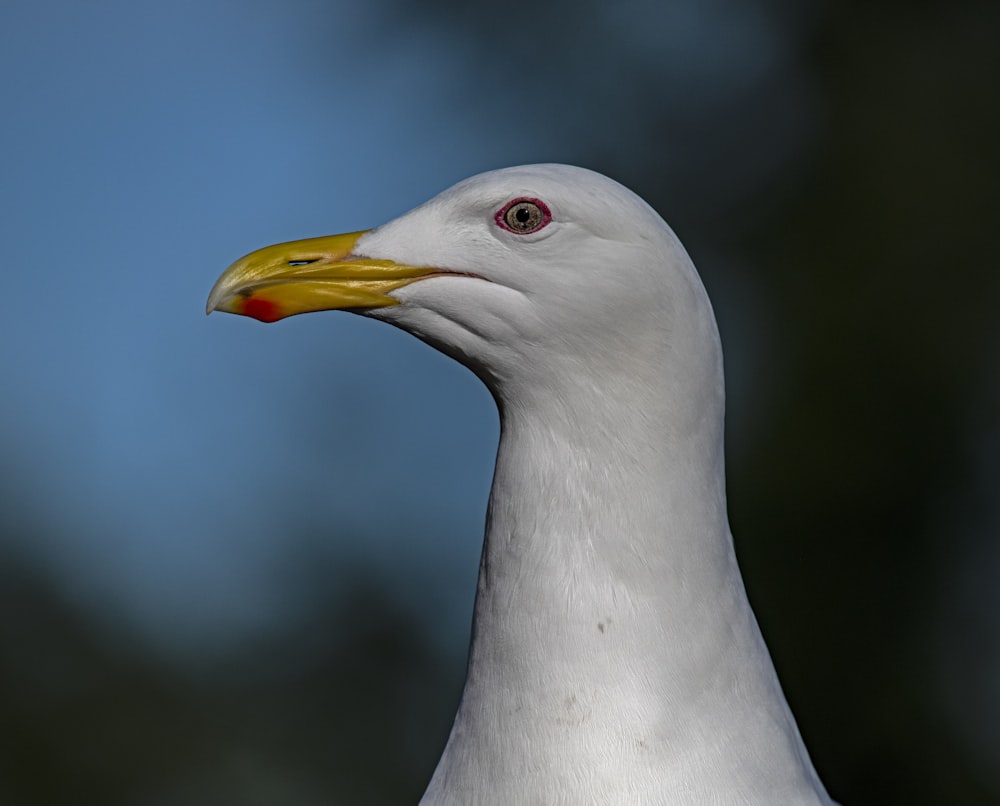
x=614 y=657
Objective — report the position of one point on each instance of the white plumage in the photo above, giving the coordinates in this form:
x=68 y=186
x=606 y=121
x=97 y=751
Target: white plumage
x=615 y=657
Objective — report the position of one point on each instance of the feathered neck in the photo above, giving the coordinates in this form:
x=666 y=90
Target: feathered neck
x=614 y=656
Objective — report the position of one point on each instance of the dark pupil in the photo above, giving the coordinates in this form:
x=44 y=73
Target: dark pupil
x=523 y=215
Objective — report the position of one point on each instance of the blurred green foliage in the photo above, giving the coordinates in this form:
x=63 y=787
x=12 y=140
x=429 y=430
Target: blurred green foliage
x=350 y=706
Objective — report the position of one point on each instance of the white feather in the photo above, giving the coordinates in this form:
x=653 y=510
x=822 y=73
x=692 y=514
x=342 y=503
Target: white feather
x=615 y=657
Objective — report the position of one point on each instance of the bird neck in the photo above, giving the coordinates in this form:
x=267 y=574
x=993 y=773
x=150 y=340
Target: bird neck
x=607 y=544
x=611 y=625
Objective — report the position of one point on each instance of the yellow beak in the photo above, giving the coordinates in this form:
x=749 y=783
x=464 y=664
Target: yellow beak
x=315 y=274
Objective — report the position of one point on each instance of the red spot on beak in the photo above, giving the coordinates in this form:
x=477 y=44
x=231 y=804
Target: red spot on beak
x=262 y=310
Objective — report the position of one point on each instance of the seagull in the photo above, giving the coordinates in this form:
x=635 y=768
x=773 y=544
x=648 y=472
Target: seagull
x=615 y=658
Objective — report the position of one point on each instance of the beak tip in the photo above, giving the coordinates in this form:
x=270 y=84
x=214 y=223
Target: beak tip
x=215 y=298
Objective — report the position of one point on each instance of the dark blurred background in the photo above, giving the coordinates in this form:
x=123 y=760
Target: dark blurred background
x=237 y=562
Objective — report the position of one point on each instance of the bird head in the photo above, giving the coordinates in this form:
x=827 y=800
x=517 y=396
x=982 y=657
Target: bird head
x=518 y=271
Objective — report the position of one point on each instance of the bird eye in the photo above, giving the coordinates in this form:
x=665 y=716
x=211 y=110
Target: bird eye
x=523 y=216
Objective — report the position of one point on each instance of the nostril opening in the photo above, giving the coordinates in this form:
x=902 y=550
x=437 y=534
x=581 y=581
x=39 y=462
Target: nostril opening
x=306 y=262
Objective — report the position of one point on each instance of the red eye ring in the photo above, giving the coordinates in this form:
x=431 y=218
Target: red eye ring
x=523 y=215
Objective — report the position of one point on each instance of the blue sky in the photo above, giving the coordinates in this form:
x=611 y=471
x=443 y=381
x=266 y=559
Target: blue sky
x=173 y=456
